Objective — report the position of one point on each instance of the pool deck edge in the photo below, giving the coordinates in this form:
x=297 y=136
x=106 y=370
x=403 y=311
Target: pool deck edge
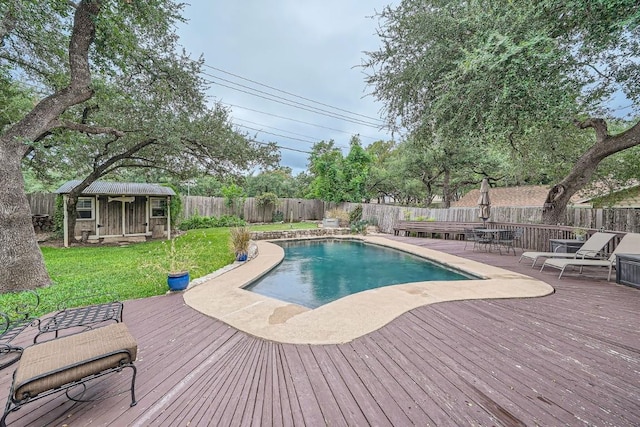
x=223 y=298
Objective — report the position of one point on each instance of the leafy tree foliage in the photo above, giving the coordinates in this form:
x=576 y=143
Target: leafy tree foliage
x=355 y=172
x=336 y=178
x=518 y=75
x=325 y=166
x=279 y=181
x=114 y=92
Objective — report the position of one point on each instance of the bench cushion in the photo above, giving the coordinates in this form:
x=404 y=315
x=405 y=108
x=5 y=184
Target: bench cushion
x=67 y=359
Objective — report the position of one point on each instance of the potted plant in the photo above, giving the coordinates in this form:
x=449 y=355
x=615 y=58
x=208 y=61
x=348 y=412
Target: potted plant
x=335 y=218
x=174 y=259
x=580 y=233
x=240 y=239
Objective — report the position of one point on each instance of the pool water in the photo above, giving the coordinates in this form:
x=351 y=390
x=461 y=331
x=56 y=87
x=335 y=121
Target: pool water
x=314 y=273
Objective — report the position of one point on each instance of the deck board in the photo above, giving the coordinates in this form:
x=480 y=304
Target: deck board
x=570 y=358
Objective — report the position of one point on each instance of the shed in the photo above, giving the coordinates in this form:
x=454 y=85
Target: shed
x=119 y=210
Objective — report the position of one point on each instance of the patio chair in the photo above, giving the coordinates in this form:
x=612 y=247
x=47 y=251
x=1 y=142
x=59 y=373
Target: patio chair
x=518 y=235
x=593 y=248
x=507 y=239
x=484 y=239
x=469 y=236
x=630 y=244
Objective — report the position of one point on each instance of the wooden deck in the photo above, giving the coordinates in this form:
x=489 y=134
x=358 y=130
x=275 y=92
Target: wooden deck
x=571 y=358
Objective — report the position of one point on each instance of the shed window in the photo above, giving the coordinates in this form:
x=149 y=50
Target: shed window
x=158 y=208
x=84 y=208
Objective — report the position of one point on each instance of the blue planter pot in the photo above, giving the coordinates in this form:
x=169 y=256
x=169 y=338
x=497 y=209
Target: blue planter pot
x=178 y=281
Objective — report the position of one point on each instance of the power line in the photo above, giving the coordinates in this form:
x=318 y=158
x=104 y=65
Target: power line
x=276 y=134
x=271 y=127
x=297 y=121
x=289 y=102
x=292 y=94
x=280 y=147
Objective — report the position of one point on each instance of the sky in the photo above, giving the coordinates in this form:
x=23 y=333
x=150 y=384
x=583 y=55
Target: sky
x=291 y=50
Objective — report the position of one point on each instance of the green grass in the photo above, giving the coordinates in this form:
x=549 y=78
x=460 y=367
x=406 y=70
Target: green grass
x=92 y=274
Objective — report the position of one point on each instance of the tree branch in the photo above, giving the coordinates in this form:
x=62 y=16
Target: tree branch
x=93 y=130
x=7 y=24
x=599 y=125
x=38 y=120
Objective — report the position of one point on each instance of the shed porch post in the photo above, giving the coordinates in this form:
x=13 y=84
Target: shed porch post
x=168 y=217
x=65 y=222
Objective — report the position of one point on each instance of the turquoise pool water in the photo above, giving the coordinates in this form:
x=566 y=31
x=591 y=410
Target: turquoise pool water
x=315 y=272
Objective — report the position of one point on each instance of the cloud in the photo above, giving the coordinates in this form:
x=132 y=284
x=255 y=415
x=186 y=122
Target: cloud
x=311 y=49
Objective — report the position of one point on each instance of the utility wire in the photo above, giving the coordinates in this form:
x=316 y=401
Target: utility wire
x=285 y=136
x=297 y=121
x=289 y=102
x=271 y=127
x=292 y=94
x=276 y=134
x=281 y=147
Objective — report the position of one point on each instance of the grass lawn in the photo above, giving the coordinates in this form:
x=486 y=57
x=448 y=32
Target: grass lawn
x=134 y=271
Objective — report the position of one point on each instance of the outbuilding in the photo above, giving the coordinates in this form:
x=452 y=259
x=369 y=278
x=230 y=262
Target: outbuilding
x=119 y=210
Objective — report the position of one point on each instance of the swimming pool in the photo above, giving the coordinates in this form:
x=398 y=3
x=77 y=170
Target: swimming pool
x=314 y=273
x=223 y=296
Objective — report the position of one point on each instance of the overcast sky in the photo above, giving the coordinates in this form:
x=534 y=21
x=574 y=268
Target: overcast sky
x=309 y=48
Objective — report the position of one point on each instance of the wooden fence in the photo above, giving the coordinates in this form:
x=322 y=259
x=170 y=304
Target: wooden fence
x=614 y=219
x=42 y=203
x=293 y=210
x=387 y=216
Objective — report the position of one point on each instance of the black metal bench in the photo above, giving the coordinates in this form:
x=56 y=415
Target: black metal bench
x=64 y=363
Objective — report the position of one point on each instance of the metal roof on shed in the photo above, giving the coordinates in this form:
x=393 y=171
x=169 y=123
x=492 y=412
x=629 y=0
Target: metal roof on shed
x=118 y=189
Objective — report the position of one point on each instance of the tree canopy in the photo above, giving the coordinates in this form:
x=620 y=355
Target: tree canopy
x=110 y=88
x=518 y=75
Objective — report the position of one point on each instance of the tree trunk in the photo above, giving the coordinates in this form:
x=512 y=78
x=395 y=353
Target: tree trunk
x=21 y=262
x=72 y=215
x=446 y=189
x=555 y=207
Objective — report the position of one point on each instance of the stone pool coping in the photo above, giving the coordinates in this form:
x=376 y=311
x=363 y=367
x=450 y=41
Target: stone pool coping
x=223 y=298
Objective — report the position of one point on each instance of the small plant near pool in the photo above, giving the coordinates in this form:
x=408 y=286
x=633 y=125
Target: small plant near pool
x=359 y=227
x=240 y=238
x=340 y=214
x=356 y=214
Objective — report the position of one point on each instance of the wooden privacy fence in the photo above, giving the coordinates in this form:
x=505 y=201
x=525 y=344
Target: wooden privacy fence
x=42 y=203
x=387 y=216
x=294 y=210
x=615 y=219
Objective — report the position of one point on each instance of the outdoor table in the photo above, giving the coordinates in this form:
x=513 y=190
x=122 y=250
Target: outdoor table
x=494 y=232
x=569 y=246
x=628 y=269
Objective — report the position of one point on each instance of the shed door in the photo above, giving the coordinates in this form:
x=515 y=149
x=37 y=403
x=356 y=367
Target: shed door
x=136 y=216
x=110 y=217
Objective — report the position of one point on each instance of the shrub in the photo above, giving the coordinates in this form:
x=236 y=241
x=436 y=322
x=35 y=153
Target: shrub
x=198 y=221
x=359 y=227
x=278 y=216
x=356 y=214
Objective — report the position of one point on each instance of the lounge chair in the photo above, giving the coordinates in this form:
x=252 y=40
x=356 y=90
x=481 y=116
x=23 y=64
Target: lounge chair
x=592 y=248
x=630 y=244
